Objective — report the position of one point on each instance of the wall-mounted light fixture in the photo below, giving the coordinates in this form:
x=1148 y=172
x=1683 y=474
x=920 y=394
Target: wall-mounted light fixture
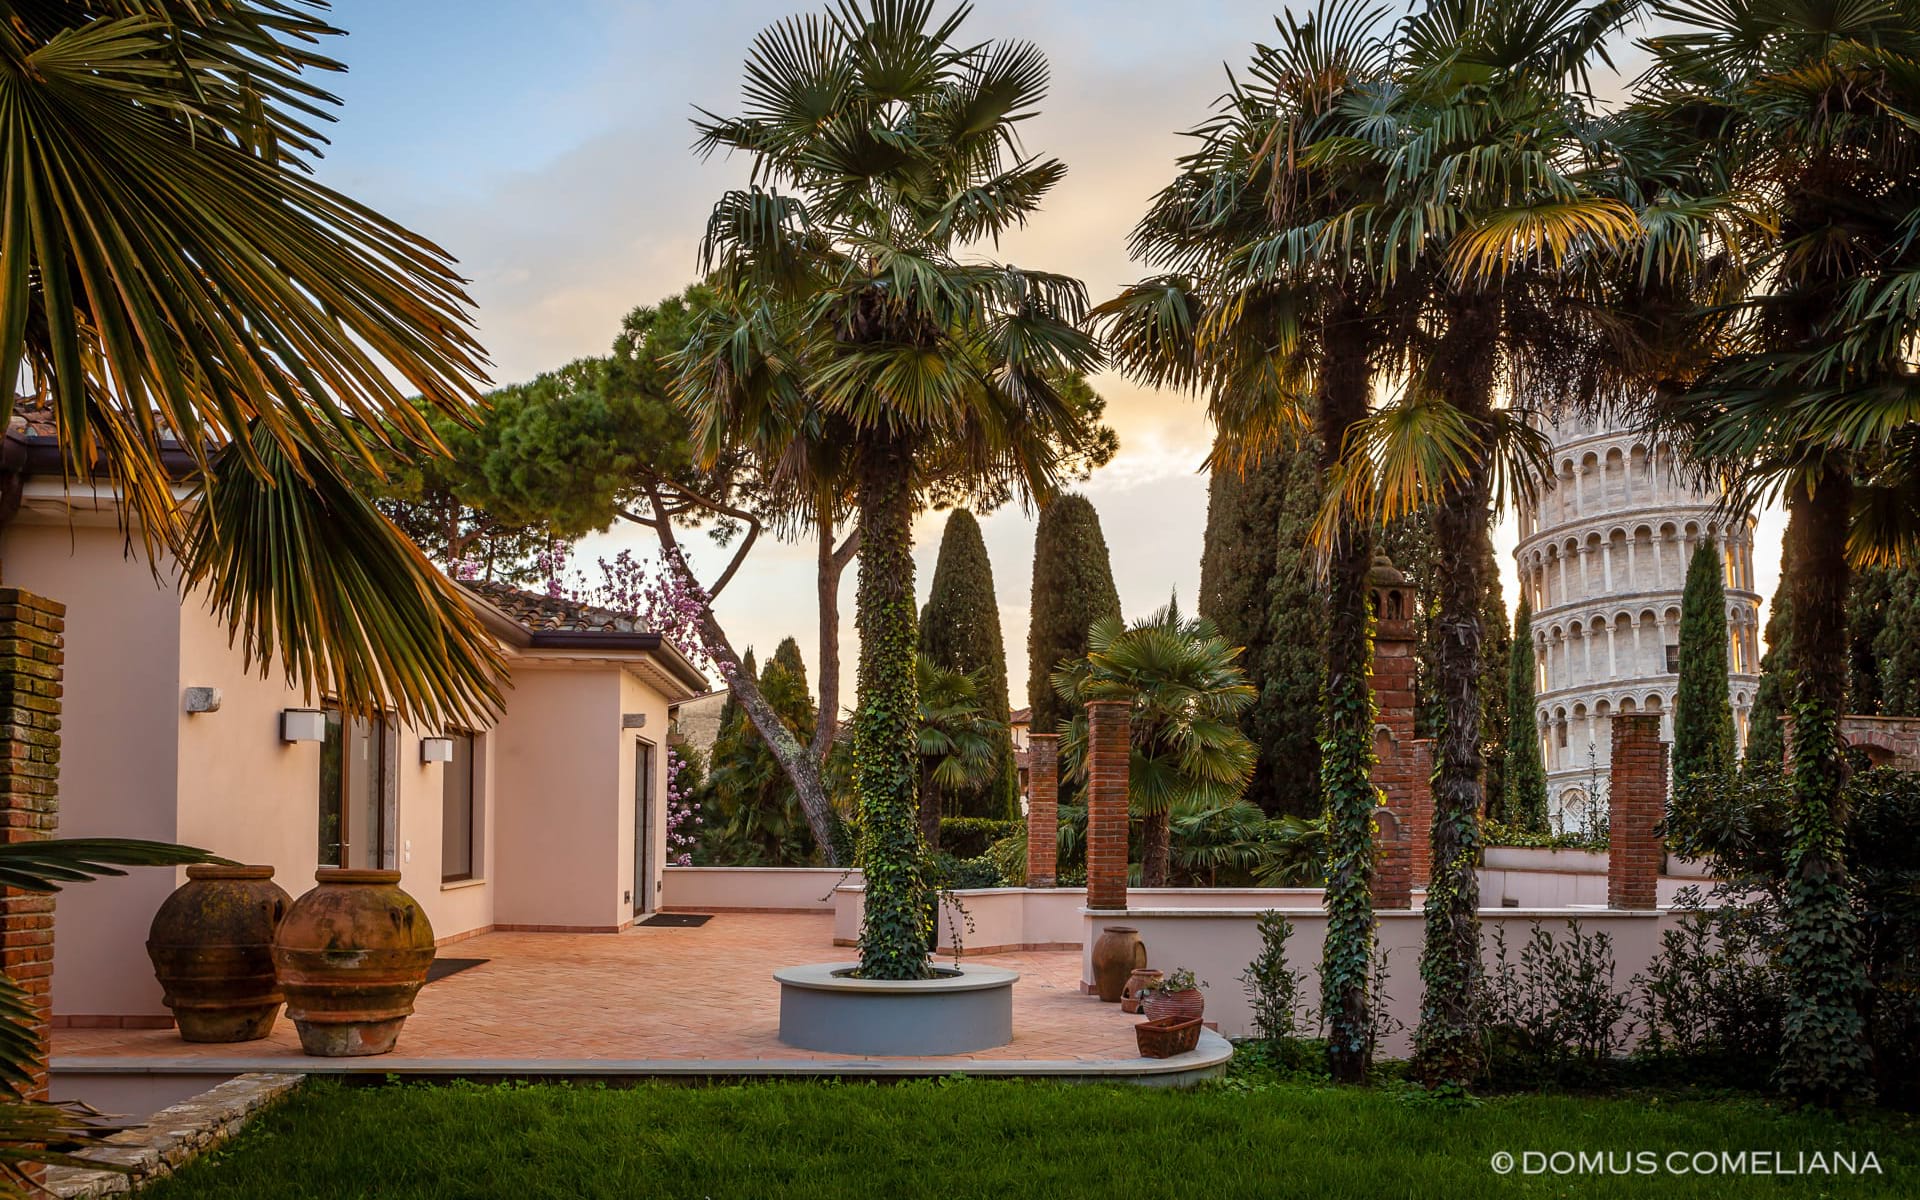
x=203 y=699
x=633 y=720
x=303 y=725
x=436 y=749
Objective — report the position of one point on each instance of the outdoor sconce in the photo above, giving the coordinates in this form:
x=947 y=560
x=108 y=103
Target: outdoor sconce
x=203 y=699
x=436 y=749
x=303 y=725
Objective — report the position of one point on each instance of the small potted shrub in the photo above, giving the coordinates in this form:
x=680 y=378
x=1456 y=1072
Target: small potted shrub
x=1175 y=997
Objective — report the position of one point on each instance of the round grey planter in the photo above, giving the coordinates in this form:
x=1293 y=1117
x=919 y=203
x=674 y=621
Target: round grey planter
x=965 y=1009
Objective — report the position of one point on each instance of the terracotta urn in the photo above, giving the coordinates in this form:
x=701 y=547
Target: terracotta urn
x=1116 y=953
x=351 y=955
x=1141 y=977
x=1174 y=1006
x=212 y=949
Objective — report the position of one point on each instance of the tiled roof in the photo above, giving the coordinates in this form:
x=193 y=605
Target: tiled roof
x=32 y=418
x=1020 y=716
x=539 y=612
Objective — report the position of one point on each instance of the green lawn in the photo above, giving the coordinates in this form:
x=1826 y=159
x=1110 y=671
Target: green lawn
x=980 y=1138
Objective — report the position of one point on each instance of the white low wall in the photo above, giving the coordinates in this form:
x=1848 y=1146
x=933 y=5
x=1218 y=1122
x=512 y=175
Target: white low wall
x=1217 y=944
x=1004 y=919
x=753 y=889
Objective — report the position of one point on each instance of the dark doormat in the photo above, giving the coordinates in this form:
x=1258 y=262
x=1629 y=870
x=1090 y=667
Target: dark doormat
x=678 y=920
x=443 y=967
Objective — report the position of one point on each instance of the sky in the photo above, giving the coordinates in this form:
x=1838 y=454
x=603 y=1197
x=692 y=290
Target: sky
x=547 y=148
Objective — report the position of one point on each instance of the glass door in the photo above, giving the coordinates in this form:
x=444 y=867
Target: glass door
x=356 y=792
x=642 y=828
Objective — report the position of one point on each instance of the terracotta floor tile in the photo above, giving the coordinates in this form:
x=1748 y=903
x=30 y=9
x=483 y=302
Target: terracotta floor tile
x=704 y=993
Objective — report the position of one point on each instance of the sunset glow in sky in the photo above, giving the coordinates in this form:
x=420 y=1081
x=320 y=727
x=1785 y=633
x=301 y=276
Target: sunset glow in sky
x=547 y=147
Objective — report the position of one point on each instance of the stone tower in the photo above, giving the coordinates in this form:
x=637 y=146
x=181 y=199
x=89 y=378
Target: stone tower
x=1603 y=556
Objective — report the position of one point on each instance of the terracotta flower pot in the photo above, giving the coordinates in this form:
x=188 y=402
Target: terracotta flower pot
x=1175 y=1006
x=1116 y=952
x=1141 y=977
x=351 y=955
x=212 y=949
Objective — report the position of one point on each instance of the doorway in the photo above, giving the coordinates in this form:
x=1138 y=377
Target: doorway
x=642 y=828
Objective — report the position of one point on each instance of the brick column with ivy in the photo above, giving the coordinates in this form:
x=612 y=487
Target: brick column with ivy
x=1107 y=754
x=1637 y=799
x=1043 y=810
x=32 y=654
x=1403 y=770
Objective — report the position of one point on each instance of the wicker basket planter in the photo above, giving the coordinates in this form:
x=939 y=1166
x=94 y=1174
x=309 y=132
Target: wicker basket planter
x=1167 y=1037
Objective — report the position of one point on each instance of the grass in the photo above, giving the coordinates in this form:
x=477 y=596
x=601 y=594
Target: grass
x=1250 y=1136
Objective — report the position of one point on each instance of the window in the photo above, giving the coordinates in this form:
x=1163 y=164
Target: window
x=356 y=792
x=1673 y=660
x=457 y=795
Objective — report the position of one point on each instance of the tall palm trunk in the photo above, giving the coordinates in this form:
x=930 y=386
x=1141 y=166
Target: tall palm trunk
x=1346 y=740
x=895 y=934
x=1824 y=1056
x=1156 y=837
x=1447 y=1043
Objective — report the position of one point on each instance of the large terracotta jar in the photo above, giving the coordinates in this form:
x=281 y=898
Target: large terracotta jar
x=1117 y=952
x=1130 y=994
x=212 y=949
x=351 y=955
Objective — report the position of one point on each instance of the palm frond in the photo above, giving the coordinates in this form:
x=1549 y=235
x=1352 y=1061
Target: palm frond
x=310 y=574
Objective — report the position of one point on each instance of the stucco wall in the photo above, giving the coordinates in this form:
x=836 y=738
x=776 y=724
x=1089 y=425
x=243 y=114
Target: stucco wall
x=118 y=756
x=1217 y=945
x=636 y=698
x=557 y=836
x=754 y=889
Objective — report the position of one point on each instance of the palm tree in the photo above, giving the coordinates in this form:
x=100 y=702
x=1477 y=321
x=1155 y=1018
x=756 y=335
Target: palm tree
x=1494 y=196
x=959 y=739
x=1778 y=141
x=881 y=150
x=1274 y=315
x=216 y=302
x=1187 y=749
x=176 y=283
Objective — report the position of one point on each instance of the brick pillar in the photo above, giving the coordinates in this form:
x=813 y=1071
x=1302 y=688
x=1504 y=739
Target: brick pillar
x=32 y=652
x=1420 y=811
x=1392 y=864
x=1404 y=770
x=1107 y=754
x=1637 y=798
x=1043 y=809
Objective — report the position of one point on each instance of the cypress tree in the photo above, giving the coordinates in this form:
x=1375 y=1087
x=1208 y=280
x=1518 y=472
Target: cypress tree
x=1869 y=604
x=1897 y=648
x=1526 y=771
x=1258 y=586
x=1496 y=660
x=1702 y=715
x=1766 y=741
x=1072 y=588
x=960 y=630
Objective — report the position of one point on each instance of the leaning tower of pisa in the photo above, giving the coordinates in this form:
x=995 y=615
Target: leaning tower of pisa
x=1603 y=556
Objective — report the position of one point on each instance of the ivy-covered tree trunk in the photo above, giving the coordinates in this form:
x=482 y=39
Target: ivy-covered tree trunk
x=1447 y=1040
x=1526 y=793
x=895 y=934
x=1346 y=745
x=1824 y=1057
x=1703 y=741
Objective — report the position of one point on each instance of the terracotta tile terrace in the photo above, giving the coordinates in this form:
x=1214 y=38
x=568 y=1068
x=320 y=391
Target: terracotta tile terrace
x=701 y=999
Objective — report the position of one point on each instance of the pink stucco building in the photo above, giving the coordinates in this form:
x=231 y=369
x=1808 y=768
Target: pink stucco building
x=552 y=817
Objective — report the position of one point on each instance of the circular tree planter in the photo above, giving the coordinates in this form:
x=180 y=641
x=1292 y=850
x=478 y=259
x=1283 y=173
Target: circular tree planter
x=960 y=1010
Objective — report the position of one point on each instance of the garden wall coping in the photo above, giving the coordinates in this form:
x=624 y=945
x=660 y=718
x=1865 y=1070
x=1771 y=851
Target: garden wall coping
x=172 y=1138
